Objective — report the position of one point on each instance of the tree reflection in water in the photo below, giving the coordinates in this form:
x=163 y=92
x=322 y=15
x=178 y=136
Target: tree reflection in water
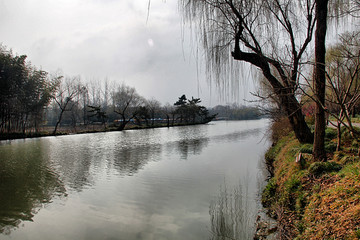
x=26 y=183
x=129 y=160
x=191 y=147
x=230 y=215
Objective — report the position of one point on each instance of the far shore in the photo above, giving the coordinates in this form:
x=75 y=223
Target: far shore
x=65 y=130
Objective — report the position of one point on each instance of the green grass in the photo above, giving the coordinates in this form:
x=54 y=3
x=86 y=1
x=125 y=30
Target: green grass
x=317 y=169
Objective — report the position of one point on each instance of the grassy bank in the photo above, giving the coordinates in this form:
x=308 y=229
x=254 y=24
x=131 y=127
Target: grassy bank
x=314 y=200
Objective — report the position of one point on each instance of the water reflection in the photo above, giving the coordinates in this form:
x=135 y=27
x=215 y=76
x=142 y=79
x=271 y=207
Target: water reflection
x=73 y=157
x=27 y=182
x=230 y=214
x=129 y=160
x=132 y=184
x=238 y=135
x=191 y=147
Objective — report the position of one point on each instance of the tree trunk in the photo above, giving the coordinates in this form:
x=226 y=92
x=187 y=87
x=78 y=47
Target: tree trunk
x=58 y=122
x=168 y=120
x=338 y=146
x=296 y=118
x=123 y=123
x=24 y=123
x=319 y=80
x=353 y=112
x=288 y=101
x=122 y=126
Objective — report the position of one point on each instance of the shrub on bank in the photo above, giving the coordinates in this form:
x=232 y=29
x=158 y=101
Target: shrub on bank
x=280 y=128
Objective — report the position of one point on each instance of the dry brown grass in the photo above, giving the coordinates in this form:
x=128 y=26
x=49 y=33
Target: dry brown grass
x=280 y=128
x=308 y=206
x=334 y=211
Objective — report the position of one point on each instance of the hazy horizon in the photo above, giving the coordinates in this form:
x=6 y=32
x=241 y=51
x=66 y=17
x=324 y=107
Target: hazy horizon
x=120 y=41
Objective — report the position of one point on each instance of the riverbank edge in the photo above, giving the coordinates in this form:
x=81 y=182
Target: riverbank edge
x=313 y=200
x=14 y=136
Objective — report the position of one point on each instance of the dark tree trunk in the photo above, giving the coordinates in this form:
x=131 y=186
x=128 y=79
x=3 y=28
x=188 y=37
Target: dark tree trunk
x=24 y=123
x=288 y=101
x=292 y=107
x=338 y=146
x=152 y=119
x=296 y=118
x=123 y=123
x=58 y=122
x=168 y=120
x=319 y=80
x=173 y=120
x=122 y=126
x=353 y=111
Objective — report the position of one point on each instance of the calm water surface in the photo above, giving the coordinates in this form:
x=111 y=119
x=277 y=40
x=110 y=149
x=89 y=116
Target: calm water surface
x=193 y=182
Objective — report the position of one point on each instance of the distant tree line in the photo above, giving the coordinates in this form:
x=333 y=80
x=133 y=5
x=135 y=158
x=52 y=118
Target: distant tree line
x=236 y=112
x=31 y=99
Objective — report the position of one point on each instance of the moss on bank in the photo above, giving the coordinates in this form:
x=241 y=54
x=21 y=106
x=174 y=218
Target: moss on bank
x=314 y=200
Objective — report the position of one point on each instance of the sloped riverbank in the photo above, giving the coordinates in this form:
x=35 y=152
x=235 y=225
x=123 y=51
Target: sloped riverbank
x=314 y=200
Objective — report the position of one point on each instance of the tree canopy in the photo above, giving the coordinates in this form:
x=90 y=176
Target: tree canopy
x=189 y=110
x=24 y=93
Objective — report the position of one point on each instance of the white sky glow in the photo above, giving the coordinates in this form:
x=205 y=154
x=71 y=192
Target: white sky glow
x=117 y=40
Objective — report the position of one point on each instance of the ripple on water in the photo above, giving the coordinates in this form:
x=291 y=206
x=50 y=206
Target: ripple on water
x=146 y=184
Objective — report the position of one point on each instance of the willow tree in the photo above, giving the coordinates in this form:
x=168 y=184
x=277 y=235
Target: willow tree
x=270 y=35
x=275 y=37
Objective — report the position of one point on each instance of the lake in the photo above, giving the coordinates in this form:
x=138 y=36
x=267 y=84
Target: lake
x=190 y=182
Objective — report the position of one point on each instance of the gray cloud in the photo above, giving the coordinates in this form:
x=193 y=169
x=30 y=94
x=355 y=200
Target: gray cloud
x=100 y=39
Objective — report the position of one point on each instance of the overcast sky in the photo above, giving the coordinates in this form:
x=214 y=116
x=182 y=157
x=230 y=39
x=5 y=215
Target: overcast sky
x=113 y=39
